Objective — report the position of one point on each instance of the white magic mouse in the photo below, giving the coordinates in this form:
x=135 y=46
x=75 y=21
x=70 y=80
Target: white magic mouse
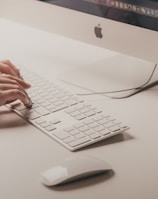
x=74 y=168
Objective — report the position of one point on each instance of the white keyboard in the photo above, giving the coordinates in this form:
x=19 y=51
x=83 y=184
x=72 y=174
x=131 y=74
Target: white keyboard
x=64 y=116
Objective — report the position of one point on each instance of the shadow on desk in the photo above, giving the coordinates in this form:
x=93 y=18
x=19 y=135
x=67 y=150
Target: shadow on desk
x=8 y=119
x=85 y=182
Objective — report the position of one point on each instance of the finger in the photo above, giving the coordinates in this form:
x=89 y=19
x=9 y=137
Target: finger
x=16 y=80
x=5 y=68
x=12 y=95
x=4 y=87
x=12 y=66
x=6 y=83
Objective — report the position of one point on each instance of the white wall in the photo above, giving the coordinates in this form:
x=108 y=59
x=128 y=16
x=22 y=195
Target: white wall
x=1 y=7
x=34 y=13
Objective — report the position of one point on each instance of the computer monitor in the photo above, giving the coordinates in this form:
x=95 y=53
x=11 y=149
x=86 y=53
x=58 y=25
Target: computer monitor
x=121 y=25
x=129 y=29
x=124 y=26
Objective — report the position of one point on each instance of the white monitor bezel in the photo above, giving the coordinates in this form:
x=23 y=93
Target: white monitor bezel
x=120 y=37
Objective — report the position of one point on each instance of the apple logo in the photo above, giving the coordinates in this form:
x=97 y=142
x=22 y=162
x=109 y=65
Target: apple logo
x=98 y=31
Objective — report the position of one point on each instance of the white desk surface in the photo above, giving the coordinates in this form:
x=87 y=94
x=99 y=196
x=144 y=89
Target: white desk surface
x=25 y=152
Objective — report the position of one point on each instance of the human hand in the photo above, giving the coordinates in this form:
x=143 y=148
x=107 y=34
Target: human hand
x=12 y=87
x=8 y=67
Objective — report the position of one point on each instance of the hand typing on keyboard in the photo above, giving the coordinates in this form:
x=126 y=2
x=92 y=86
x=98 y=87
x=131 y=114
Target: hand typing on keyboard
x=12 y=86
x=65 y=117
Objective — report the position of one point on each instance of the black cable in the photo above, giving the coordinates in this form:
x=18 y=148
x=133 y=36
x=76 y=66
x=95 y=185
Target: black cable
x=136 y=89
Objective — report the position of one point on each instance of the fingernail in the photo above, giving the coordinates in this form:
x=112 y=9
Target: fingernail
x=28 y=85
x=21 y=77
x=28 y=103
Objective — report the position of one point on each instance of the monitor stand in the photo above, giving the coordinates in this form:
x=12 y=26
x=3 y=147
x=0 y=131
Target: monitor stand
x=113 y=73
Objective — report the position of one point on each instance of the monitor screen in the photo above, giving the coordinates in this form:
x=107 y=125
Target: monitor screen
x=142 y=13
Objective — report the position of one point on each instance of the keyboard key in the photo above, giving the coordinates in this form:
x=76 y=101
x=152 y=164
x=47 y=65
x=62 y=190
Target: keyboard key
x=70 y=110
x=71 y=102
x=20 y=107
x=102 y=121
x=80 y=117
x=50 y=128
x=105 y=132
x=114 y=128
x=79 y=125
x=75 y=113
x=58 y=108
x=50 y=107
x=32 y=116
x=45 y=104
x=40 y=121
x=74 y=131
x=69 y=139
x=79 y=142
x=57 y=103
x=68 y=129
x=97 y=118
x=95 y=135
x=41 y=111
x=99 y=128
x=88 y=121
x=61 y=134
x=93 y=124
x=55 y=121
x=89 y=132
x=89 y=113
x=85 y=110
x=40 y=100
x=79 y=135
x=108 y=124
x=44 y=124
x=83 y=128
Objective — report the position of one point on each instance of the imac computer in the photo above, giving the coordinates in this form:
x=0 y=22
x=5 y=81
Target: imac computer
x=125 y=30
x=128 y=28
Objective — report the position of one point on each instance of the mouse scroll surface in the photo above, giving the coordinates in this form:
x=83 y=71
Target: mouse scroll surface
x=72 y=169
x=54 y=175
